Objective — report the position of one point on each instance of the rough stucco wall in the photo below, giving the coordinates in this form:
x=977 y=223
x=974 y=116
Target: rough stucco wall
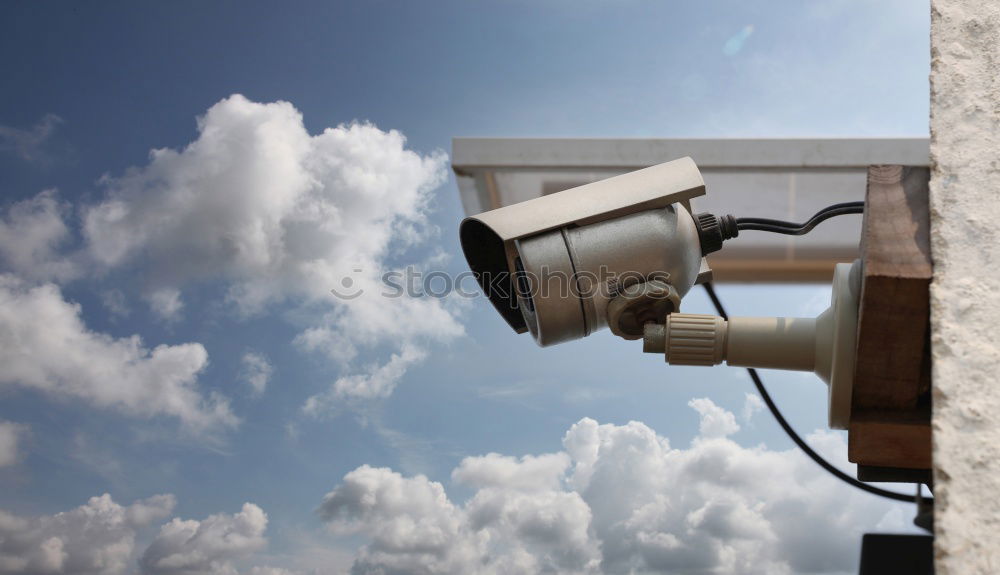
x=965 y=292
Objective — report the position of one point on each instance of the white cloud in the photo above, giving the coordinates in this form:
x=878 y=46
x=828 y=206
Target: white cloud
x=751 y=405
x=114 y=301
x=528 y=473
x=279 y=214
x=44 y=345
x=31 y=233
x=412 y=525
x=522 y=505
x=10 y=435
x=714 y=421
x=191 y=547
x=379 y=380
x=166 y=303
x=146 y=511
x=618 y=499
x=256 y=371
x=96 y=538
x=271 y=571
x=29 y=145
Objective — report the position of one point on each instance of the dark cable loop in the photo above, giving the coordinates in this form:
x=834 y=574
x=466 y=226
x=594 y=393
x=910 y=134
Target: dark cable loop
x=791 y=432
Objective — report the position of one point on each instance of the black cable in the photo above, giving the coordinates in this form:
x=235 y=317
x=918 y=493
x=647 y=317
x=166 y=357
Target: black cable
x=760 y=224
x=791 y=432
x=794 y=229
x=714 y=230
x=850 y=207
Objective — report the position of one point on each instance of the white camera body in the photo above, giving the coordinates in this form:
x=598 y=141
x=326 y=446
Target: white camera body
x=612 y=253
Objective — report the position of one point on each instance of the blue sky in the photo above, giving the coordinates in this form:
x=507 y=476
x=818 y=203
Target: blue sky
x=91 y=89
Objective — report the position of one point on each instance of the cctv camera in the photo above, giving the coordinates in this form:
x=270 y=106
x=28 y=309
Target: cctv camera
x=616 y=253
x=622 y=252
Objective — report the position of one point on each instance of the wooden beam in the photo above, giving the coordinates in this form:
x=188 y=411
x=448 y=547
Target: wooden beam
x=890 y=410
x=895 y=298
x=736 y=270
x=888 y=439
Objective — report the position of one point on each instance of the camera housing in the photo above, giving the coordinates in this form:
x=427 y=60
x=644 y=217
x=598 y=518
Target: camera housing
x=617 y=253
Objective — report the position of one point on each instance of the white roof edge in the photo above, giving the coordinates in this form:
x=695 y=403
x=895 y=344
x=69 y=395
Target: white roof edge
x=590 y=153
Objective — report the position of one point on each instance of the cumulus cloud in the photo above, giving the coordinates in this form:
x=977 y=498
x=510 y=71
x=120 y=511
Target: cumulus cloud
x=279 y=214
x=44 y=345
x=413 y=526
x=714 y=421
x=617 y=499
x=191 y=547
x=96 y=538
x=10 y=436
x=32 y=233
x=256 y=371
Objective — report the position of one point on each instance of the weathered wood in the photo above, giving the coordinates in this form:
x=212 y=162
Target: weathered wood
x=895 y=305
x=890 y=411
x=888 y=439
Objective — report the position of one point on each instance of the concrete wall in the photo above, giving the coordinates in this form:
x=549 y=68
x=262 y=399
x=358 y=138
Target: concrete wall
x=965 y=293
